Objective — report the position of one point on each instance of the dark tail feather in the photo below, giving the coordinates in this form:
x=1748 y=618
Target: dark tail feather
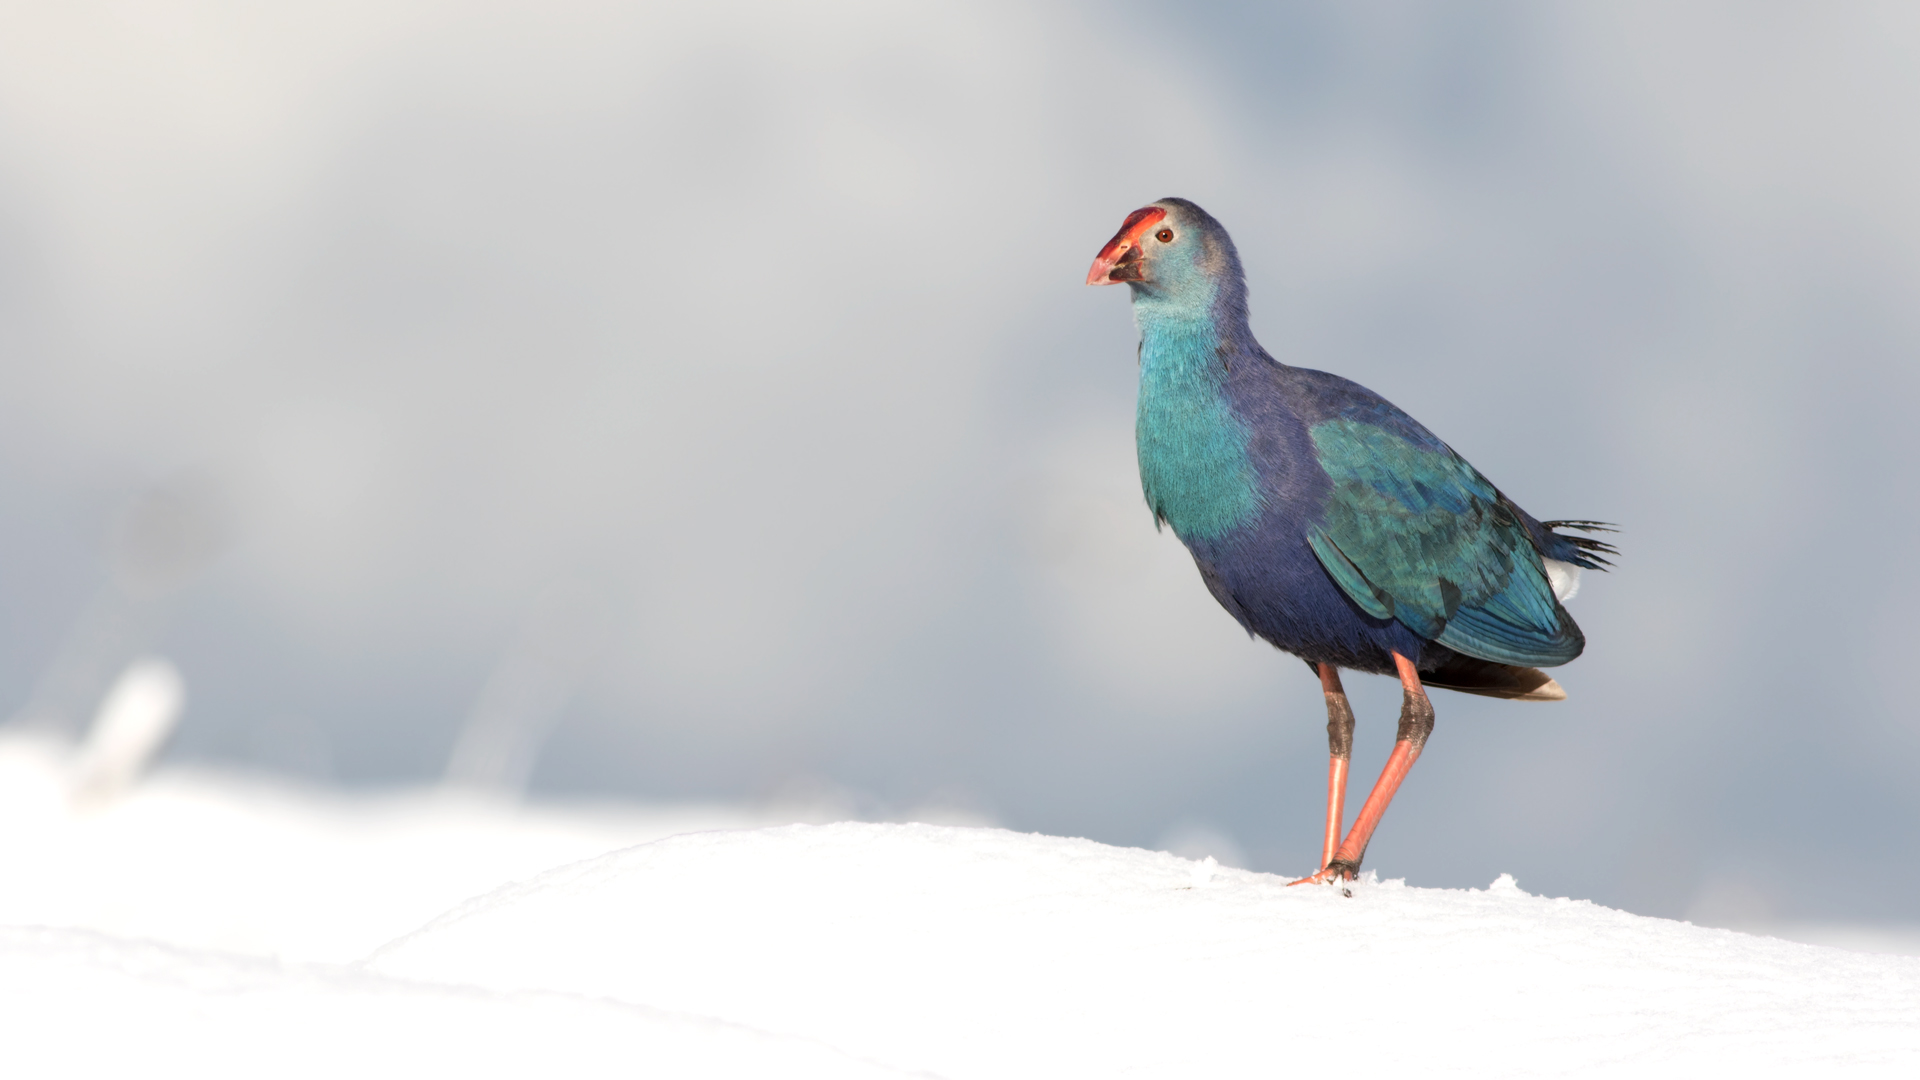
x=1488 y=679
x=1591 y=550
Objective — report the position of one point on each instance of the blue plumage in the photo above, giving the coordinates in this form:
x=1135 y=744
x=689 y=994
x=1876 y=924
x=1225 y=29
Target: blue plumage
x=1325 y=519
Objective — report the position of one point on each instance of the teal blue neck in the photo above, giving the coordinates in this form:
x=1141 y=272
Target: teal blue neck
x=1193 y=449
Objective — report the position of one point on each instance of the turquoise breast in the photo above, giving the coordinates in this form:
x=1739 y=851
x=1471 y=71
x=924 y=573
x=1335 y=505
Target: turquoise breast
x=1194 y=466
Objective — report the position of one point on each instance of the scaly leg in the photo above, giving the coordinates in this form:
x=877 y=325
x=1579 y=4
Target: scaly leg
x=1416 y=723
x=1339 y=753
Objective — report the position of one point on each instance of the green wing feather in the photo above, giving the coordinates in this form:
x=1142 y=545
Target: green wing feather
x=1414 y=533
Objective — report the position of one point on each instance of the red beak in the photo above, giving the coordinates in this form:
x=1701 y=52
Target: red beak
x=1120 y=260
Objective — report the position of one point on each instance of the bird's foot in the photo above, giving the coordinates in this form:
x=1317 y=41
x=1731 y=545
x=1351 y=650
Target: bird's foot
x=1339 y=870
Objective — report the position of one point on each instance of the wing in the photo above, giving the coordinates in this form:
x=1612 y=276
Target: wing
x=1414 y=533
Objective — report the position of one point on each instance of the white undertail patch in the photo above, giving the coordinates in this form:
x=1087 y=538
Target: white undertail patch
x=1563 y=576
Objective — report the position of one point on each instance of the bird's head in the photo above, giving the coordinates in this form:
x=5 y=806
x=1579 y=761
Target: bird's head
x=1172 y=251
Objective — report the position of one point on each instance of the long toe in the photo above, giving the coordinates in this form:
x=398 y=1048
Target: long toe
x=1333 y=873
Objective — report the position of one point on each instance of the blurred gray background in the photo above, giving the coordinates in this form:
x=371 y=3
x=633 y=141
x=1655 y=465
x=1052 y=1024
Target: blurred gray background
x=702 y=402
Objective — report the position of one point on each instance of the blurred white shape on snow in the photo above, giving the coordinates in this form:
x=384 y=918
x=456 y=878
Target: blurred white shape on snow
x=135 y=718
x=163 y=538
x=525 y=695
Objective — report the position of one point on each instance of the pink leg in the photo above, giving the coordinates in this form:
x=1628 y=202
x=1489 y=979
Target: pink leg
x=1416 y=723
x=1339 y=753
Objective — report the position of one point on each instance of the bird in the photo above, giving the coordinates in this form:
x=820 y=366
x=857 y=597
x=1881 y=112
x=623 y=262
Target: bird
x=1326 y=520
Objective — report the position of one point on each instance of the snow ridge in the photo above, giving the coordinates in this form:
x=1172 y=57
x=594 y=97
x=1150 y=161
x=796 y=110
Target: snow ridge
x=239 y=928
x=985 y=953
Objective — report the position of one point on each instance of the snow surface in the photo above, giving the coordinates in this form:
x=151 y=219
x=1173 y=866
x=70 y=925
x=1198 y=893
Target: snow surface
x=193 y=925
x=240 y=865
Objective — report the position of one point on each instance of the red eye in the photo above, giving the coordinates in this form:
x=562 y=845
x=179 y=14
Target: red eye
x=1165 y=236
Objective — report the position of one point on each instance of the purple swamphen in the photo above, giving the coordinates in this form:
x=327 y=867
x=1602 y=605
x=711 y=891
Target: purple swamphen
x=1326 y=520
